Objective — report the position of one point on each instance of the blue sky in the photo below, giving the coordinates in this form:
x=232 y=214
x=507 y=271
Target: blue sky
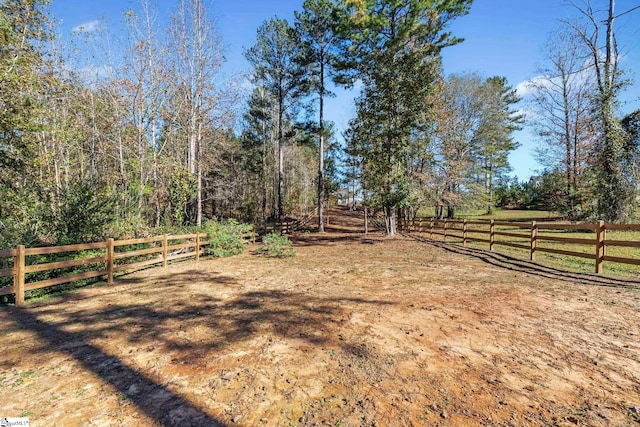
x=502 y=37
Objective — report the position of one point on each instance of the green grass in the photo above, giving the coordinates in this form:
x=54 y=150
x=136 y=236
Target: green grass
x=499 y=214
x=569 y=263
x=563 y=262
x=510 y=215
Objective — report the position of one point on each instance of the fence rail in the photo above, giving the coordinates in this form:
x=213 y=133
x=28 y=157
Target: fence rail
x=113 y=259
x=290 y=225
x=528 y=238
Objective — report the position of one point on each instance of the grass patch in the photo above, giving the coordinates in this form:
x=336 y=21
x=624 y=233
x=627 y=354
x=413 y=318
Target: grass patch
x=511 y=215
x=560 y=261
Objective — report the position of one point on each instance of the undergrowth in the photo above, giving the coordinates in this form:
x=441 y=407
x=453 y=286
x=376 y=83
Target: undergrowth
x=277 y=245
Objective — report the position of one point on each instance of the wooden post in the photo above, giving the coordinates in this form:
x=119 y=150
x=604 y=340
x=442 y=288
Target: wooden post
x=600 y=236
x=110 y=261
x=431 y=229
x=18 y=278
x=492 y=236
x=444 y=235
x=197 y=246
x=164 y=250
x=534 y=240
x=464 y=232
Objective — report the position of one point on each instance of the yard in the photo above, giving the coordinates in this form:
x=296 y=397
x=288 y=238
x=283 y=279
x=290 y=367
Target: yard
x=355 y=331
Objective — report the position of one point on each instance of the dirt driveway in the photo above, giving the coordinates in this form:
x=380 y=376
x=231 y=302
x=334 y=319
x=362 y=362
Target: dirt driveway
x=354 y=331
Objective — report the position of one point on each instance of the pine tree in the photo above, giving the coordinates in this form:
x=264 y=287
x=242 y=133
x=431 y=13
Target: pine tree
x=394 y=47
x=276 y=67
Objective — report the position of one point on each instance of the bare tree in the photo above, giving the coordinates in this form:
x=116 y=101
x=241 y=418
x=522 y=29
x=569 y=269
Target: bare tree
x=196 y=63
x=615 y=192
x=561 y=99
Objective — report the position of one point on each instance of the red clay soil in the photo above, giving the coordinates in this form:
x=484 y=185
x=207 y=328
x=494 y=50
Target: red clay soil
x=355 y=331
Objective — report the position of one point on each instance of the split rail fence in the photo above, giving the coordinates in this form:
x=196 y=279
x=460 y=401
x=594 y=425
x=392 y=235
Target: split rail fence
x=290 y=225
x=532 y=237
x=117 y=256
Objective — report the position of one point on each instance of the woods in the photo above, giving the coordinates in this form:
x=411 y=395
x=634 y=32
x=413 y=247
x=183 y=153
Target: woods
x=103 y=136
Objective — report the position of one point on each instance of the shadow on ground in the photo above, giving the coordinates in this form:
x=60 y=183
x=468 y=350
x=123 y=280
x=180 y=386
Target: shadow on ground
x=515 y=264
x=191 y=325
x=155 y=400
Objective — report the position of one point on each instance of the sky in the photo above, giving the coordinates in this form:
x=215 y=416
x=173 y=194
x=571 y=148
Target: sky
x=502 y=37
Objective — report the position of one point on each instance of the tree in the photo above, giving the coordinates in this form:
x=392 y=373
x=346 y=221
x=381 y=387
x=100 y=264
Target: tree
x=23 y=25
x=631 y=126
x=196 y=63
x=562 y=101
x=315 y=31
x=494 y=139
x=393 y=47
x=459 y=117
x=258 y=142
x=616 y=195
x=274 y=58
x=146 y=86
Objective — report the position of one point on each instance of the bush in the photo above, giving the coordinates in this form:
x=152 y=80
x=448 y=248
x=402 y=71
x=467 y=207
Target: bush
x=277 y=245
x=225 y=237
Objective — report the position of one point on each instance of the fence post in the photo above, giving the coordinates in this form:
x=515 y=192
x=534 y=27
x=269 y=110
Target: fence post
x=464 y=232
x=164 y=250
x=444 y=235
x=534 y=240
x=197 y=246
x=18 y=278
x=492 y=235
x=431 y=229
x=110 y=261
x=600 y=250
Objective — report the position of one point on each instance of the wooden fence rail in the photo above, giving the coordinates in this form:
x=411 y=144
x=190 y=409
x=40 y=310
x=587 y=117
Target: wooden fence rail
x=290 y=225
x=527 y=236
x=112 y=260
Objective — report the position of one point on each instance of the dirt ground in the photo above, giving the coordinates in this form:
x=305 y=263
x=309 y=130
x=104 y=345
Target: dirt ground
x=354 y=331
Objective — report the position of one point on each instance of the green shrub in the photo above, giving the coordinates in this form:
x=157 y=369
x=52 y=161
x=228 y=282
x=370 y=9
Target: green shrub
x=225 y=237
x=277 y=245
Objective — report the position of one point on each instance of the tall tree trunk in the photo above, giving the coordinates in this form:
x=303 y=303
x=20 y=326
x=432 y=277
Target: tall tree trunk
x=489 y=183
x=451 y=211
x=567 y=140
x=321 y=153
x=263 y=174
x=280 y=157
x=390 y=219
x=199 y=199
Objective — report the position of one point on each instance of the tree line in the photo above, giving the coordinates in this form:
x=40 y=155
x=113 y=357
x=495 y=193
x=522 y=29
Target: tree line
x=146 y=132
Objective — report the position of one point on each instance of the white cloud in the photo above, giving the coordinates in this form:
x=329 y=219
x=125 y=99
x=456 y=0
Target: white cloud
x=87 y=27
x=527 y=87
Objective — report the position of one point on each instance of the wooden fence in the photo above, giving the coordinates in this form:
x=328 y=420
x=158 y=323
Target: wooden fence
x=290 y=225
x=528 y=236
x=113 y=259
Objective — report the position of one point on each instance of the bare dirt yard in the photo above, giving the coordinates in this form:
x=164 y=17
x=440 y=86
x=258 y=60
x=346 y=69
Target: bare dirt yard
x=354 y=331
